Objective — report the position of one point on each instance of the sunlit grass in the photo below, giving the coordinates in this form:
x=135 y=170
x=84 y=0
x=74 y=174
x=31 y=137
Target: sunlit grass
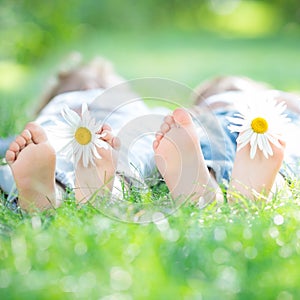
x=242 y=251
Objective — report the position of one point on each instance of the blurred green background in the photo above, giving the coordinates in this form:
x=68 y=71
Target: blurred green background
x=188 y=41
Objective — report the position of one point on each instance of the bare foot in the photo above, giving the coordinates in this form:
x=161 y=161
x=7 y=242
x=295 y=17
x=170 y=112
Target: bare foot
x=180 y=161
x=32 y=161
x=100 y=178
x=254 y=178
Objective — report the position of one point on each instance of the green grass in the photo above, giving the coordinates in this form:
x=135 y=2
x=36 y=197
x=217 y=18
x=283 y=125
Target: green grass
x=242 y=251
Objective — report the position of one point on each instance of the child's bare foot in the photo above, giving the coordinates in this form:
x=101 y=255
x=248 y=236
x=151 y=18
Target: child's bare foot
x=32 y=161
x=254 y=178
x=180 y=161
x=100 y=178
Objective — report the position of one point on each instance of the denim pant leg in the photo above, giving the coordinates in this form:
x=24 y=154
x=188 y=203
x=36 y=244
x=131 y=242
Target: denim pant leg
x=218 y=144
x=6 y=179
x=291 y=164
x=4 y=144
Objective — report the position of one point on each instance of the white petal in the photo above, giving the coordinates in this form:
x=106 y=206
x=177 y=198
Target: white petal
x=77 y=148
x=235 y=128
x=237 y=121
x=96 y=154
x=77 y=156
x=101 y=144
x=268 y=147
x=71 y=117
x=260 y=141
x=67 y=147
x=84 y=108
x=253 y=151
x=85 y=157
x=253 y=139
x=241 y=146
x=265 y=148
x=102 y=135
x=245 y=136
x=274 y=141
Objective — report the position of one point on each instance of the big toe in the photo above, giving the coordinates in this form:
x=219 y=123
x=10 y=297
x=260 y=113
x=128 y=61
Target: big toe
x=182 y=117
x=37 y=132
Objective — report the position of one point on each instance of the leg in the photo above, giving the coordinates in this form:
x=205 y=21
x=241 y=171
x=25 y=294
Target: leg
x=32 y=161
x=180 y=161
x=100 y=178
x=255 y=177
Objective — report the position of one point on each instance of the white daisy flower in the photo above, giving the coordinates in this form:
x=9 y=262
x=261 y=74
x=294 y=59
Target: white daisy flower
x=80 y=134
x=260 y=122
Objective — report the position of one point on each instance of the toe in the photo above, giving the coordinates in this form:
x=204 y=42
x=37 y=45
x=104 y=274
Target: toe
x=282 y=143
x=26 y=136
x=20 y=141
x=105 y=127
x=37 y=132
x=155 y=144
x=169 y=120
x=159 y=136
x=165 y=127
x=182 y=117
x=14 y=146
x=116 y=143
x=107 y=136
x=112 y=140
x=10 y=156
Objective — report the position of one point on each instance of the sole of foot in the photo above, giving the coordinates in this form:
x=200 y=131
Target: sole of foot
x=180 y=161
x=254 y=178
x=32 y=161
x=98 y=179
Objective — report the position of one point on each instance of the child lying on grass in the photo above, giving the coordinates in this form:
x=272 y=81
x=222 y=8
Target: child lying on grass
x=192 y=165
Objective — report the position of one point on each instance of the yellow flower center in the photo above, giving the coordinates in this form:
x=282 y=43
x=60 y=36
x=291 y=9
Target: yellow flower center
x=259 y=125
x=83 y=135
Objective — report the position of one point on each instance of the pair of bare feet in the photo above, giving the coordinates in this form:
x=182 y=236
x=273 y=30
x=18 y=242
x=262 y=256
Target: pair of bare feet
x=33 y=160
x=180 y=161
x=178 y=157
